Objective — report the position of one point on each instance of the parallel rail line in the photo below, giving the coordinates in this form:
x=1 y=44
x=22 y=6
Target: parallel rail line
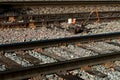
x=28 y=72
x=46 y=18
x=31 y=3
x=60 y=41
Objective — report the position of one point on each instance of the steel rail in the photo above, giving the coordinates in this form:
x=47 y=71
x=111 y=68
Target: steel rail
x=46 y=18
x=55 y=20
x=59 y=14
x=32 y=71
x=31 y=3
x=59 y=41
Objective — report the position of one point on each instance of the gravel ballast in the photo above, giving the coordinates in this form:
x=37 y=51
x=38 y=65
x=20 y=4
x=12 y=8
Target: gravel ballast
x=13 y=35
x=56 y=9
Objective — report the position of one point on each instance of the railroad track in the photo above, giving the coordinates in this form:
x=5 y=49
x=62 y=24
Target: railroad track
x=55 y=67
x=35 y=60
x=37 y=20
x=10 y=54
x=29 y=3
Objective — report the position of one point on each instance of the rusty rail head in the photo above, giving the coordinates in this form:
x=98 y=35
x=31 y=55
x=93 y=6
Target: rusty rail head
x=56 y=42
x=27 y=72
